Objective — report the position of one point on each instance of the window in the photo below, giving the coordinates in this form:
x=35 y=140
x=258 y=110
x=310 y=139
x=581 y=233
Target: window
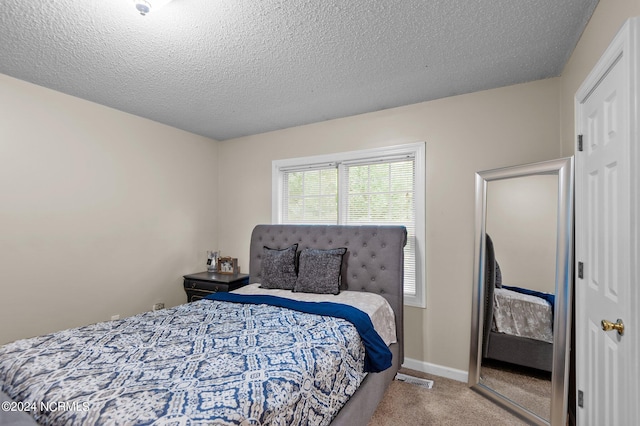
x=382 y=186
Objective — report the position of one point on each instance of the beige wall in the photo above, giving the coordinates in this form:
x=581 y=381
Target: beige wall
x=603 y=26
x=101 y=212
x=522 y=221
x=464 y=134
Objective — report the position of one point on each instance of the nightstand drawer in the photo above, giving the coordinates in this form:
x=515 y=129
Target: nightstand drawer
x=198 y=286
x=211 y=287
x=195 y=294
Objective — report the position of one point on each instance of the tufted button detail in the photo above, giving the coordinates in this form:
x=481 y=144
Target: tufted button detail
x=357 y=271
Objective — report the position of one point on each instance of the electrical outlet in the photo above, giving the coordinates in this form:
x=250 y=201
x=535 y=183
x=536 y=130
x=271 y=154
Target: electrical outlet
x=158 y=306
x=115 y=317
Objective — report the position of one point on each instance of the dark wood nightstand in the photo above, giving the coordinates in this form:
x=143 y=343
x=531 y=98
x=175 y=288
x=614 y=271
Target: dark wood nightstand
x=198 y=286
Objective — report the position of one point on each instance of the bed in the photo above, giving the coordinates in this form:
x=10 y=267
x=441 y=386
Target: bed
x=191 y=364
x=518 y=323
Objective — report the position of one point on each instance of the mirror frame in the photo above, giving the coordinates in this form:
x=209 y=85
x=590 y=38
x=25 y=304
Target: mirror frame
x=564 y=168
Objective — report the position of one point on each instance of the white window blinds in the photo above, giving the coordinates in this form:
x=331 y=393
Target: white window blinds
x=382 y=192
x=310 y=195
x=382 y=186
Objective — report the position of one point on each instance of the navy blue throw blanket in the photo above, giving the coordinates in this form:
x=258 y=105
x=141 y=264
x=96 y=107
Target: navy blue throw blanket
x=377 y=355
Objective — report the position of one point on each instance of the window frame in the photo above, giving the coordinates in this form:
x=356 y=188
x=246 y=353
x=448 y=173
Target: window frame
x=416 y=150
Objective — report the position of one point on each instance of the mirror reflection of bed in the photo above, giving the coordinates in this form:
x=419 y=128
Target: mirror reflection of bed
x=518 y=340
x=520 y=285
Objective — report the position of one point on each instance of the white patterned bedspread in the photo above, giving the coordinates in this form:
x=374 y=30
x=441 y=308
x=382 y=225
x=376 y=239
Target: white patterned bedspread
x=202 y=363
x=374 y=305
x=522 y=315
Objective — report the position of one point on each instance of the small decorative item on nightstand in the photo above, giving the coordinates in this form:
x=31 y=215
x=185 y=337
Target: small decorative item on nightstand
x=198 y=286
x=228 y=265
x=212 y=260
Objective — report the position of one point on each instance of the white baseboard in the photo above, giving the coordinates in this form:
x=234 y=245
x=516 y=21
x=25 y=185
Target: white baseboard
x=436 y=370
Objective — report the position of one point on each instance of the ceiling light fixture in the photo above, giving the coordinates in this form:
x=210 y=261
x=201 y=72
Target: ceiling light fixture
x=145 y=6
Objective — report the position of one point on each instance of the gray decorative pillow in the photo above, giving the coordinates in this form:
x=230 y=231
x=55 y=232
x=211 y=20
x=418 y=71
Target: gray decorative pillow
x=278 y=268
x=319 y=271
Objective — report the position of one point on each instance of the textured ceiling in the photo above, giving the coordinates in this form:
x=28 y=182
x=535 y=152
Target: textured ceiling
x=229 y=68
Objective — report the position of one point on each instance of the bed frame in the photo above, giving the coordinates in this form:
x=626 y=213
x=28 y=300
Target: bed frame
x=374 y=262
x=504 y=347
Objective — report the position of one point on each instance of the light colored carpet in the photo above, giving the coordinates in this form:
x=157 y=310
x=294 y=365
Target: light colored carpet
x=448 y=403
x=526 y=387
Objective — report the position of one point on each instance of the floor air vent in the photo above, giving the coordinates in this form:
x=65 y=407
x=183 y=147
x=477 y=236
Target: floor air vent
x=425 y=383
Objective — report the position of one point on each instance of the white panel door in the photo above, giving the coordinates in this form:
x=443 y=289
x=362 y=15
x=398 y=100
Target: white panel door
x=605 y=234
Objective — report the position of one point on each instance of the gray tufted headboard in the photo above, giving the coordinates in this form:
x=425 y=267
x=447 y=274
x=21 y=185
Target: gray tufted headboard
x=374 y=261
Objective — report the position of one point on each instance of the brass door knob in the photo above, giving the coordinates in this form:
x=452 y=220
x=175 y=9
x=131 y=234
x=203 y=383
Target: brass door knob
x=618 y=326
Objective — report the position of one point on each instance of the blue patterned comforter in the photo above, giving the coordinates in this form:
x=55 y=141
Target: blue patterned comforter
x=203 y=363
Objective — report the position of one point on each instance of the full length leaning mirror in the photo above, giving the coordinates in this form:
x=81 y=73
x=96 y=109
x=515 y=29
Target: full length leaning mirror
x=520 y=331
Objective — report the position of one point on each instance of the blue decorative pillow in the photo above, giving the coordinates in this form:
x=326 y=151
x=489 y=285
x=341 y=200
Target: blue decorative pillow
x=278 y=268
x=319 y=271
